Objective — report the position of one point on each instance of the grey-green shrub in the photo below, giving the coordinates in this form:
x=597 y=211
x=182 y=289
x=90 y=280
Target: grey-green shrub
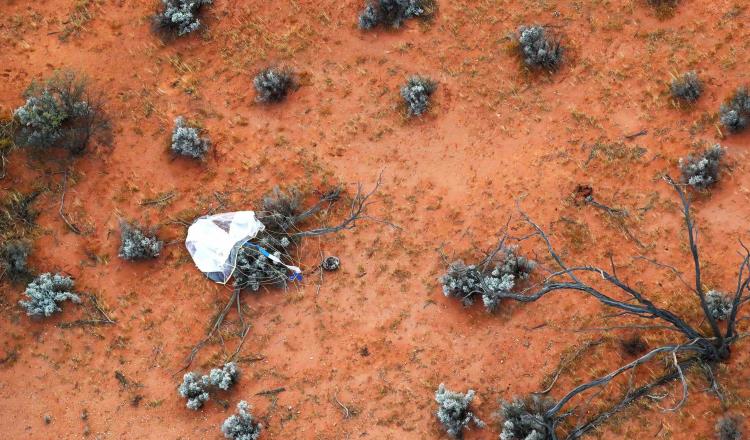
x=719 y=304
x=13 y=260
x=241 y=426
x=60 y=113
x=728 y=428
x=538 y=49
x=224 y=377
x=688 y=87
x=135 y=244
x=734 y=113
x=179 y=17
x=453 y=411
x=193 y=388
x=416 y=94
x=524 y=419
x=274 y=84
x=702 y=171
x=186 y=140
x=46 y=293
x=392 y=13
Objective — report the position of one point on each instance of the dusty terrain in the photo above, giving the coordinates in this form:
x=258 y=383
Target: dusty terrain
x=373 y=340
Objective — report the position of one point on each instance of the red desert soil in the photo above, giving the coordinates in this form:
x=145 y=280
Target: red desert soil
x=378 y=336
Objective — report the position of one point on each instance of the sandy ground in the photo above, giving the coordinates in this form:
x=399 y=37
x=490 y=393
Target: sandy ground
x=375 y=339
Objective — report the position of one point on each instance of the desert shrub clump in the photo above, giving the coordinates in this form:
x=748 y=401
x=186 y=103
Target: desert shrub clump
x=60 y=113
x=466 y=282
x=193 y=388
x=186 y=140
x=702 y=171
x=13 y=260
x=179 y=17
x=416 y=94
x=728 y=428
x=687 y=88
x=453 y=411
x=392 y=13
x=538 y=49
x=524 y=419
x=46 y=292
x=241 y=426
x=273 y=84
x=135 y=244
x=719 y=304
x=734 y=113
x=224 y=377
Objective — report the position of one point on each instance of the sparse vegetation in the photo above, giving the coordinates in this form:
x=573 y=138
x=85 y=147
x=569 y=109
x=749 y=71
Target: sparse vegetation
x=538 y=49
x=273 y=84
x=453 y=411
x=61 y=113
x=416 y=94
x=224 y=377
x=393 y=13
x=193 y=388
x=494 y=276
x=525 y=419
x=13 y=260
x=702 y=171
x=734 y=113
x=719 y=304
x=186 y=140
x=686 y=88
x=729 y=428
x=135 y=244
x=46 y=293
x=241 y=426
x=179 y=17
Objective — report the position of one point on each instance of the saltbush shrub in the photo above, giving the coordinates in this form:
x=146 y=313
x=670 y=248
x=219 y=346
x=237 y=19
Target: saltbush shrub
x=179 y=17
x=13 y=260
x=702 y=171
x=719 y=304
x=687 y=88
x=392 y=13
x=453 y=411
x=186 y=140
x=136 y=244
x=224 y=377
x=193 y=388
x=274 y=84
x=734 y=113
x=538 y=49
x=46 y=292
x=729 y=428
x=60 y=113
x=241 y=426
x=523 y=419
x=416 y=94
x=466 y=282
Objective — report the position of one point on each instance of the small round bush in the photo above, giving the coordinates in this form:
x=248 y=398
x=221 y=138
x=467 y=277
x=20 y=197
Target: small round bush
x=46 y=292
x=241 y=426
x=13 y=260
x=392 y=13
x=186 y=140
x=224 y=377
x=453 y=411
x=274 y=84
x=194 y=390
x=687 y=88
x=179 y=17
x=729 y=428
x=538 y=49
x=524 y=419
x=136 y=244
x=702 y=171
x=734 y=113
x=416 y=94
x=719 y=304
x=60 y=113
